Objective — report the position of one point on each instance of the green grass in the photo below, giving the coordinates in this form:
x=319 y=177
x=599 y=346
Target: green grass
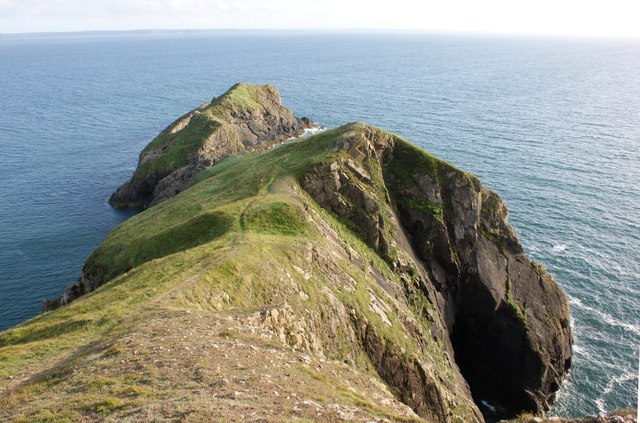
x=211 y=207
x=512 y=304
x=241 y=233
x=423 y=206
x=354 y=397
x=50 y=338
x=105 y=406
x=176 y=150
x=171 y=151
x=56 y=330
x=409 y=161
x=112 y=259
x=276 y=218
x=243 y=96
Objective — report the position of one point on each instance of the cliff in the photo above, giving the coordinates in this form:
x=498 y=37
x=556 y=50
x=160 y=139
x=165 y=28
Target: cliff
x=344 y=276
x=246 y=117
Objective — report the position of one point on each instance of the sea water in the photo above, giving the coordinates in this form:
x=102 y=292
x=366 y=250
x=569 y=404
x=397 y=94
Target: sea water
x=552 y=125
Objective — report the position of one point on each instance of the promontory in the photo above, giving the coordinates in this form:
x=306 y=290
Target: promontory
x=343 y=276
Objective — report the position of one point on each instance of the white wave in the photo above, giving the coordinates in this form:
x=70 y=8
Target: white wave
x=307 y=133
x=312 y=131
x=559 y=248
x=488 y=406
x=579 y=350
x=605 y=317
x=615 y=322
x=616 y=381
x=575 y=301
x=566 y=390
x=572 y=323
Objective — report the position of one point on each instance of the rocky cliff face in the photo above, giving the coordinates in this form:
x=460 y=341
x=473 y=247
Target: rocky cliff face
x=507 y=318
x=346 y=276
x=246 y=117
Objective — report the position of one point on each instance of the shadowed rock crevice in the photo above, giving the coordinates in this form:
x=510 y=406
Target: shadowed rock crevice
x=507 y=317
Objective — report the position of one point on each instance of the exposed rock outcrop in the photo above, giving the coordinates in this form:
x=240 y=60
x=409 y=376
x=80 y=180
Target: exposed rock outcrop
x=247 y=117
x=508 y=320
x=346 y=189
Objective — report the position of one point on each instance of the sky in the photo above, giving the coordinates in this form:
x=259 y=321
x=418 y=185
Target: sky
x=608 y=18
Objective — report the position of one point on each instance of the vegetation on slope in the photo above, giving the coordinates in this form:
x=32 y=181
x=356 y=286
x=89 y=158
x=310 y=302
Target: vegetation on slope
x=245 y=117
x=204 y=212
x=242 y=261
x=178 y=147
x=314 y=264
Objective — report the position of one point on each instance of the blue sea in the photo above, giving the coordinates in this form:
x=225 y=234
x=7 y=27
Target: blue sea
x=552 y=125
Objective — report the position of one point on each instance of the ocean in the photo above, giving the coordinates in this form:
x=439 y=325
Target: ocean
x=552 y=125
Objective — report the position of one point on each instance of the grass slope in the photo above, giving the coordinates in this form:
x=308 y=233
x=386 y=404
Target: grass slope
x=186 y=279
x=173 y=149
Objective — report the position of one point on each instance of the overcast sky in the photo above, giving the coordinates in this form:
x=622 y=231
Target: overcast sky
x=549 y=17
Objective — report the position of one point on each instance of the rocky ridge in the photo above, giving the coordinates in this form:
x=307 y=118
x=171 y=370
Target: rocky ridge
x=246 y=117
x=352 y=252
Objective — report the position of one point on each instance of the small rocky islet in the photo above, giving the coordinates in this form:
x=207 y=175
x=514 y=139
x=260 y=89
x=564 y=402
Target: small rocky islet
x=343 y=276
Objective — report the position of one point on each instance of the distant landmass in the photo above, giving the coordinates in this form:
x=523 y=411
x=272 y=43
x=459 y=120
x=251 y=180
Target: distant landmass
x=128 y=32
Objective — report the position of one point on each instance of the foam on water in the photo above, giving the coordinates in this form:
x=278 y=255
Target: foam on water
x=312 y=131
x=614 y=383
x=307 y=133
x=605 y=317
x=559 y=248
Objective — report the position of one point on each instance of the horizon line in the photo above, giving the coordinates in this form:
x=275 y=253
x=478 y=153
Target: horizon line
x=324 y=30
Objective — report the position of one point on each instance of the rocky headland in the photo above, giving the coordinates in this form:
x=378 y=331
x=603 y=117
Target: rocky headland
x=246 y=117
x=345 y=276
